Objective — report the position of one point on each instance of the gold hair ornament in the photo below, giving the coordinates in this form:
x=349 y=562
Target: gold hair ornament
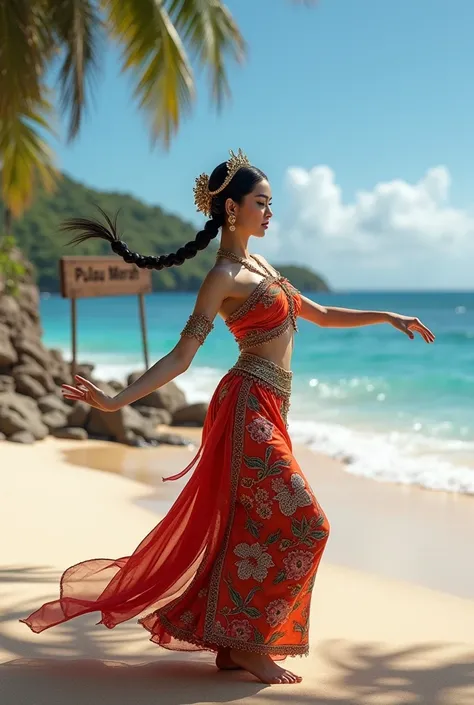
x=202 y=195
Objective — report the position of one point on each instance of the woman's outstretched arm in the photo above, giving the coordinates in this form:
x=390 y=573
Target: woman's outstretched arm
x=334 y=317
x=214 y=289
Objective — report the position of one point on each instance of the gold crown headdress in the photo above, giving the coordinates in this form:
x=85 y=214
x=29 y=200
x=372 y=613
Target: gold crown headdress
x=202 y=195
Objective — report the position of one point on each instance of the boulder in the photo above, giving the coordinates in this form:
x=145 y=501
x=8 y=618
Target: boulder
x=33 y=369
x=20 y=413
x=7 y=384
x=169 y=396
x=22 y=437
x=8 y=354
x=78 y=414
x=73 y=433
x=30 y=387
x=54 y=419
x=32 y=347
x=10 y=312
x=52 y=403
x=156 y=416
x=118 y=424
x=115 y=385
x=172 y=439
x=191 y=415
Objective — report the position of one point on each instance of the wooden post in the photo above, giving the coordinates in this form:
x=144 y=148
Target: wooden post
x=74 y=336
x=84 y=276
x=141 y=300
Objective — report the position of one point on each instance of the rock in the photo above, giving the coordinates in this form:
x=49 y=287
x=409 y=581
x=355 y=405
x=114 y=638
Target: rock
x=22 y=437
x=8 y=354
x=169 y=396
x=28 y=386
x=116 y=386
x=54 y=419
x=172 y=439
x=77 y=416
x=20 y=413
x=10 y=312
x=2 y=437
x=52 y=403
x=59 y=369
x=32 y=347
x=156 y=416
x=29 y=297
x=85 y=369
x=33 y=369
x=191 y=415
x=7 y=383
x=118 y=424
x=73 y=433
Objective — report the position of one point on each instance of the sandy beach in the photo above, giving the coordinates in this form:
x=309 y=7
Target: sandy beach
x=392 y=615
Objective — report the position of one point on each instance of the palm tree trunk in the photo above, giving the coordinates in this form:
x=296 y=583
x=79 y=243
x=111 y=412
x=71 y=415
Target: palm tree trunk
x=7 y=223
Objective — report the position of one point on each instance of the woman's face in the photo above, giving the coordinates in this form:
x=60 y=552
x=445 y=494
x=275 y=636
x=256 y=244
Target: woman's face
x=254 y=212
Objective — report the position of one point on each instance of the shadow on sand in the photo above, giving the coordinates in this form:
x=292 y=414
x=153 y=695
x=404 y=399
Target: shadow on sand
x=83 y=665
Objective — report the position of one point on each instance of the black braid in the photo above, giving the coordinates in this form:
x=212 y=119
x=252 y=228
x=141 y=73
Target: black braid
x=88 y=228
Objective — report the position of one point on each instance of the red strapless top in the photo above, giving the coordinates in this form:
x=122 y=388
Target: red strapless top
x=272 y=308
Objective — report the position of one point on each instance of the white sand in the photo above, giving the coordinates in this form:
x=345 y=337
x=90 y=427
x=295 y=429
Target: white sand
x=374 y=639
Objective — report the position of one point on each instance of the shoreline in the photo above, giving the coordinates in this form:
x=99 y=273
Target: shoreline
x=404 y=532
x=374 y=640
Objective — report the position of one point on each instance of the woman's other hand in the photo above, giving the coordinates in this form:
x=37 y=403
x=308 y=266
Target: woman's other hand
x=88 y=392
x=408 y=324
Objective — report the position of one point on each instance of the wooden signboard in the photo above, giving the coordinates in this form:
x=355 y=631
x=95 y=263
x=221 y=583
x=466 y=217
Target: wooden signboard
x=102 y=276
x=85 y=277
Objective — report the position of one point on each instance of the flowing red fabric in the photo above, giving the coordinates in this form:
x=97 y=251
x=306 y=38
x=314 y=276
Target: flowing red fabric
x=167 y=559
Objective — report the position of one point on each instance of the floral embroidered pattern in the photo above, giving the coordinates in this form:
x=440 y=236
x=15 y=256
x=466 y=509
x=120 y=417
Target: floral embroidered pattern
x=260 y=430
x=277 y=612
x=290 y=497
x=240 y=629
x=254 y=592
x=188 y=617
x=256 y=561
x=298 y=564
x=223 y=392
x=264 y=510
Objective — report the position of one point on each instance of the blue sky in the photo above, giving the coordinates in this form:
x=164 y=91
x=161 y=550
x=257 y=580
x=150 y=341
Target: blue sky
x=349 y=96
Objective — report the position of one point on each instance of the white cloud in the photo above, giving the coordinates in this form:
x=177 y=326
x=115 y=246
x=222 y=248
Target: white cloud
x=398 y=235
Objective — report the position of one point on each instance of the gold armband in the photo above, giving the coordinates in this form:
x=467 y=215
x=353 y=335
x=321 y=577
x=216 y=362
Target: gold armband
x=198 y=326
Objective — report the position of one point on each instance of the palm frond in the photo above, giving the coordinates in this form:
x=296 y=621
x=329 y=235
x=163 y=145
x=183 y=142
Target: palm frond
x=208 y=29
x=24 y=156
x=25 y=48
x=153 y=51
x=77 y=26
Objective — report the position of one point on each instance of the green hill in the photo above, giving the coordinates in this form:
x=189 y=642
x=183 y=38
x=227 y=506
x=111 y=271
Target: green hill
x=146 y=229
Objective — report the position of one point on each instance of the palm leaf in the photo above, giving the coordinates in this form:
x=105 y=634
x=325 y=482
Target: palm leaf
x=25 y=48
x=153 y=51
x=77 y=26
x=208 y=29
x=24 y=156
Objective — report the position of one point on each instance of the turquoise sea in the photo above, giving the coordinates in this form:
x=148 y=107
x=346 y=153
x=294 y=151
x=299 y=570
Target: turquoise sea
x=394 y=409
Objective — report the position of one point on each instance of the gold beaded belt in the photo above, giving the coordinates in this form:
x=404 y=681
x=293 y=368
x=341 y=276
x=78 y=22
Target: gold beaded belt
x=263 y=370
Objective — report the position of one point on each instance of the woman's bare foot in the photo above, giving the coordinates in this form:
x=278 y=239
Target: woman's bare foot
x=263 y=667
x=224 y=661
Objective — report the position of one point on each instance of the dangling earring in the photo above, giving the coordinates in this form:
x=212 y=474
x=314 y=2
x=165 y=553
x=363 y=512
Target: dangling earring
x=232 y=220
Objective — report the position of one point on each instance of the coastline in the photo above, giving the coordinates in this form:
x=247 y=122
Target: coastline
x=366 y=627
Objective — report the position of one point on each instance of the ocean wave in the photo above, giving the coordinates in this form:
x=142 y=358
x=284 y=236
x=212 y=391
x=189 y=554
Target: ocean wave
x=390 y=457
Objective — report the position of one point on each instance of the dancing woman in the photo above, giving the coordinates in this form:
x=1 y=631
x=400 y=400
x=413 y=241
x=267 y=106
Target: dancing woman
x=231 y=567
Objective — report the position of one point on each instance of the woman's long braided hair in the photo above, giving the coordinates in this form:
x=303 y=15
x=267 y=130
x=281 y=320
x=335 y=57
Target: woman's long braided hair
x=243 y=183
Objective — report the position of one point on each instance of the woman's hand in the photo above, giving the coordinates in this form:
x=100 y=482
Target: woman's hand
x=88 y=392
x=407 y=324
